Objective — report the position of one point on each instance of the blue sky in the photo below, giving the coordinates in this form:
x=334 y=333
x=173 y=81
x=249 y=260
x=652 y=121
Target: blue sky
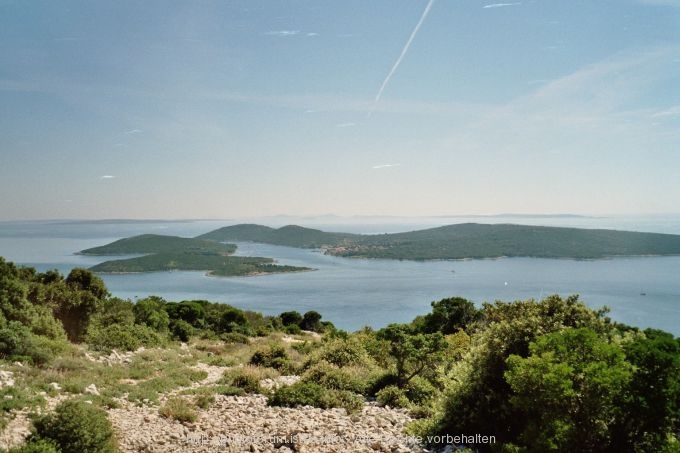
x=216 y=109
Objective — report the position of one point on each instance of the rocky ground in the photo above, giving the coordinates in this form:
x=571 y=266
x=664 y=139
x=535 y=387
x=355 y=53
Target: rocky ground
x=243 y=424
x=247 y=424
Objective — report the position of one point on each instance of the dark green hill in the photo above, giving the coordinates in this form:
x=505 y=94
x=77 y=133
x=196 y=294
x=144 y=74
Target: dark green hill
x=156 y=243
x=290 y=235
x=471 y=240
x=468 y=240
x=215 y=264
x=167 y=253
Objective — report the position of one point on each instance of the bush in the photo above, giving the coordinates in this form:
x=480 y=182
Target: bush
x=393 y=396
x=419 y=390
x=204 y=401
x=245 y=378
x=335 y=378
x=123 y=337
x=274 y=356
x=292 y=329
x=178 y=409
x=38 y=446
x=76 y=427
x=381 y=381
x=342 y=353
x=150 y=311
x=181 y=330
x=311 y=394
x=18 y=343
x=234 y=337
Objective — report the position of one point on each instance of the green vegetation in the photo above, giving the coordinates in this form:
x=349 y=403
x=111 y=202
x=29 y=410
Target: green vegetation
x=290 y=235
x=172 y=253
x=178 y=409
x=157 y=243
x=75 y=427
x=227 y=266
x=469 y=240
x=550 y=375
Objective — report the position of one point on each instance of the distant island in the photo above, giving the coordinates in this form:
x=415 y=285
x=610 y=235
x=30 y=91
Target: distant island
x=170 y=253
x=461 y=241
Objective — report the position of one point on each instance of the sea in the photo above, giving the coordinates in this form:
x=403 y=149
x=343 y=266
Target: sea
x=353 y=293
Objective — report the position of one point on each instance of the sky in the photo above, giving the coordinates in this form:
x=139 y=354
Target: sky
x=226 y=109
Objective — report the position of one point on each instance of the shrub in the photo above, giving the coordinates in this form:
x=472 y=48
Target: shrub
x=123 y=337
x=335 y=378
x=37 y=446
x=392 y=396
x=292 y=329
x=178 y=409
x=245 y=378
x=234 y=337
x=150 y=311
x=381 y=381
x=274 y=356
x=342 y=353
x=311 y=394
x=18 y=343
x=76 y=427
x=181 y=330
x=419 y=390
x=204 y=401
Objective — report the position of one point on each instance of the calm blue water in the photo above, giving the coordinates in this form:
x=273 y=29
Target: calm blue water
x=353 y=293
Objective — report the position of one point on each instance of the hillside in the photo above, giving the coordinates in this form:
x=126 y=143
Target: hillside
x=170 y=253
x=472 y=240
x=468 y=240
x=290 y=235
x=156 y=243
x=214 y=264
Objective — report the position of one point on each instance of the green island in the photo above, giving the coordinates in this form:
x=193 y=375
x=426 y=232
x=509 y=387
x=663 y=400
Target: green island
x=88 y=372
x=462 y=241
x=158 y=243
x=172 y=253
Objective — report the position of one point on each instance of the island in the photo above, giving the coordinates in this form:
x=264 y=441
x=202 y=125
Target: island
x=173 y=253
x=462 y=241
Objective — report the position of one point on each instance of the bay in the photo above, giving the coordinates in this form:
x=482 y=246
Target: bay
x=641 y=291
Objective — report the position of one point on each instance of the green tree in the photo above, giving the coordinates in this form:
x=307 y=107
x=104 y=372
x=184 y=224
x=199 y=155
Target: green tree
x=150 y=311
x=477 y=394
x=191 y=311
x=76 y=302
x=311 y=321
x=650 y=404
x=290 y=317
x=449 y=315
x=413 y=354
x=566 y=391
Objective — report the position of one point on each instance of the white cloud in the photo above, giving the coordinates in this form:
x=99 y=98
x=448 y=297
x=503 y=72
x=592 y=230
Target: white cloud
x=312 y=34
x=377 y=167
x=500 y=5
x=672 y=111
x=283 y=32
x=133 y=131
x=107 y=177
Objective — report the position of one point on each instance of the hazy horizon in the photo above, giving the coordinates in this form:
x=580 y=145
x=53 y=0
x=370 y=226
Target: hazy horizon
x=153 y=110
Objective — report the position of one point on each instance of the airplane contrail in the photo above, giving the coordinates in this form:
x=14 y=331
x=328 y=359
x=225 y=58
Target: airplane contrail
x=401 y=55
